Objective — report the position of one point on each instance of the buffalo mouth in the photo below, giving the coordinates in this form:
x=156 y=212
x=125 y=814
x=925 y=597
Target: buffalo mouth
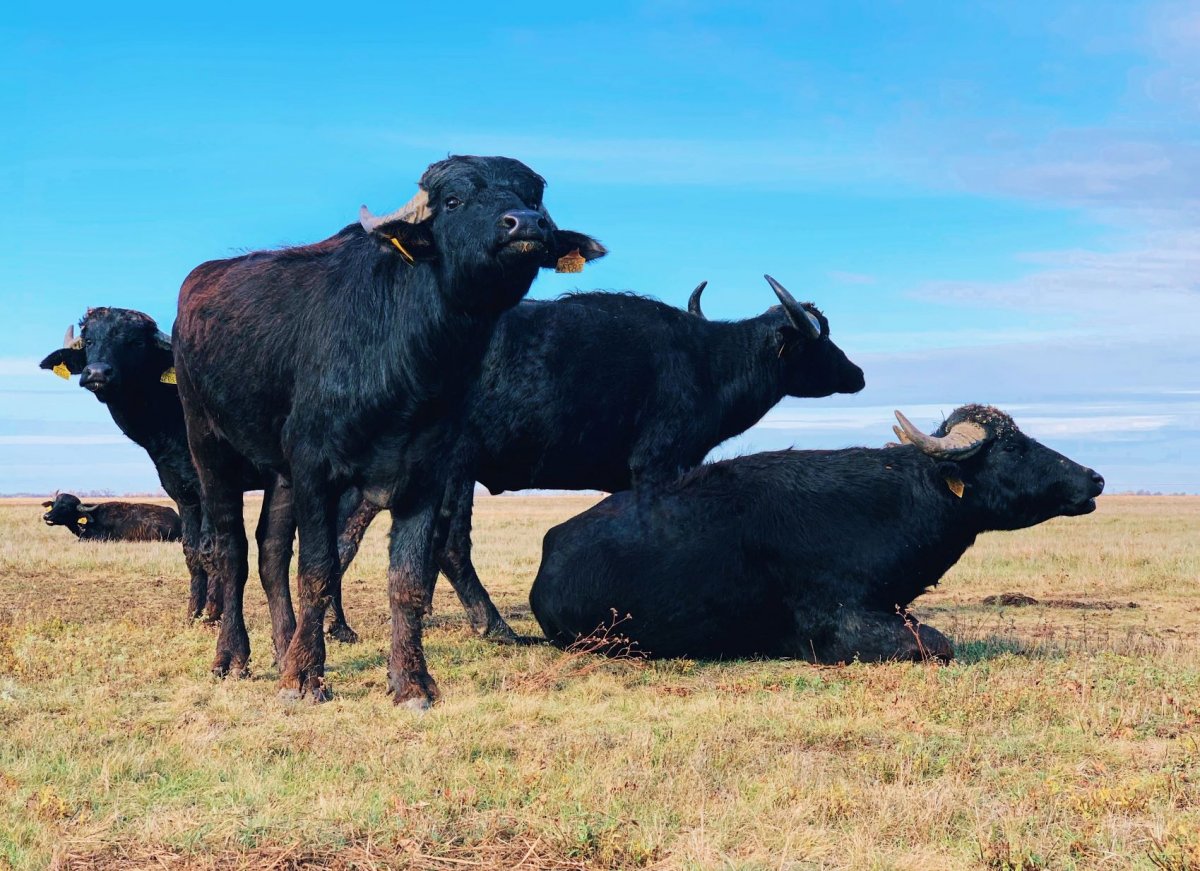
x=47 y=519
x=95 y=385
x=525 y=246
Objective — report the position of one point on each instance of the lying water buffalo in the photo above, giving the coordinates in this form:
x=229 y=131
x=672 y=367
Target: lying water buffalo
x=112 y=521
x=807 y=554
x=346 y=363
x=608 y=391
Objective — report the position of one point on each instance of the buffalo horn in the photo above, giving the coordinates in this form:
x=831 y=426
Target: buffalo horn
x=413 y=212
x=801 y=318
x=69 y=340
x=964 y=439
x=694 y=301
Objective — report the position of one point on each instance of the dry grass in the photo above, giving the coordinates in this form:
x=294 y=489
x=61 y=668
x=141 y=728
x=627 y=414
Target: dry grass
x=1063 y=737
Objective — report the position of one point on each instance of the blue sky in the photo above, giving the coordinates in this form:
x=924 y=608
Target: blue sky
x=993 y=202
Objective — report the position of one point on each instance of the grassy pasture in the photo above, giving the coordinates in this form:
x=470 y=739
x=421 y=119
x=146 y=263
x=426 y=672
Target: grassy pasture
x=1067 y=734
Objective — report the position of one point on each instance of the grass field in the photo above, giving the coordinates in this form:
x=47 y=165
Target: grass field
x=1066 y=735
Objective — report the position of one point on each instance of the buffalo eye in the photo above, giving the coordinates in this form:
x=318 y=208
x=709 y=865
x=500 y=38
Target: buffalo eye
x=452 y=203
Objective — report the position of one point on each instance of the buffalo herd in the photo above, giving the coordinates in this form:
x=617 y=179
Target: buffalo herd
x=395 y=364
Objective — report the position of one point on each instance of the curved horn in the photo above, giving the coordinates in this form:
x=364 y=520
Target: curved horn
x=414 y=211
x=694 y=301
x=162 y=340
x=801 y=318
x=69 y=340
x=964 y=439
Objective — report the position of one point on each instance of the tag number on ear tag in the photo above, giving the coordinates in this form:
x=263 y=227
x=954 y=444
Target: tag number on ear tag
x=956 y=486
x=168 y=377
x=61 y=370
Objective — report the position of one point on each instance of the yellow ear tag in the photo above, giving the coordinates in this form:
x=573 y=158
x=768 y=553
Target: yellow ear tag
x=82 y=521
x=956 y=486
x=408 y=258
x=61 y=370
x=168 y=377
x=572 y=261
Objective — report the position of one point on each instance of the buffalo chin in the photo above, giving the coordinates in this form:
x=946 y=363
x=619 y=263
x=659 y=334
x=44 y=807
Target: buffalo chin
x=1080 y=508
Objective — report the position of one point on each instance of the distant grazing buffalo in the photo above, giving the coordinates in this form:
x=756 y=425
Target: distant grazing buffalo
x=112 y=521
x=608 y=391
x=345 y=364
x=807 y=554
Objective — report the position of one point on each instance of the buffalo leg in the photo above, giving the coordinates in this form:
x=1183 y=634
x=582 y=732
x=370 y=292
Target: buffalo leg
x=276 y=529
x=302 y=672
x=353 y=522
x=454 y=559
x=190 y=516
x=411 y=575
x=224 y=548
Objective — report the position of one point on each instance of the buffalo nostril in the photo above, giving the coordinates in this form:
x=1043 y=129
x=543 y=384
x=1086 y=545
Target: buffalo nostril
x=542 y=225
x=1098 y=480
x=510 y=222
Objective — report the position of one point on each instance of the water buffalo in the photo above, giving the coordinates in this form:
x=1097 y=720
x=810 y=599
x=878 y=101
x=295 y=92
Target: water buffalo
x=112 y=521
x=807 y=554
x=345 y=363
x=126 y=362
x=608 y=391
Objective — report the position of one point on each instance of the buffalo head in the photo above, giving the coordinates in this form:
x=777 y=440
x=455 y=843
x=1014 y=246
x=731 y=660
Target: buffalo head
x=66 y=510
x=995 y=469
x=813 y=365
x=116 y=347
x=481 y=220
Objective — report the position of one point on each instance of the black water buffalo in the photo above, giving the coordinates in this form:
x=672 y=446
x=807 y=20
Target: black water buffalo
x=608 y=391
x=346 y=363
x=112 y=521
x=807 y=554
x=125 y=360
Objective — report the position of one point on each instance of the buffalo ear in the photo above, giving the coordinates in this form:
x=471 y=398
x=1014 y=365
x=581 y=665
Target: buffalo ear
x=411 y=241
x=567 y=242
x=71 y=360
x=47 y=504
x=788 y=337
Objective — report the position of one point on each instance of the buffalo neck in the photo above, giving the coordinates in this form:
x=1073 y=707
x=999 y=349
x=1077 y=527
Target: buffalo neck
x=149 y=413
x=745 y=371
x=414 y=357
x=930 y=531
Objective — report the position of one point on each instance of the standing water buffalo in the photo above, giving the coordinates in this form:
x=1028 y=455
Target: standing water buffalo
x=808 y=554
x=345 y=363
x=608 y=391
x=125 y=360
x=112 y=521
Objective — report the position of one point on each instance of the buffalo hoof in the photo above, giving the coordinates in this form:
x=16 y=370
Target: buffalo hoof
x=415 y=692
x=233 y=673
x=342 y=632
x=933 y=646
x=313 y=688
x=501 y=633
